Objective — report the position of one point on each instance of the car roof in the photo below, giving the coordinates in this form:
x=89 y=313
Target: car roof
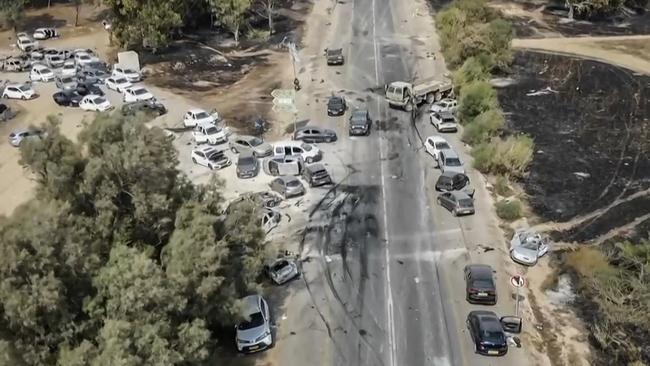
x=206 y=149
x=251 y=304
x=488 y=319
x=437 y=138
x=287 y=178
x=246 y=137
x=39 y=67
x=315 y=167
x=196 y=110
x=480 y=270
x=335 y=97
x=289 y=143
x=310 y=128
x=446 y=114
x=451 y=154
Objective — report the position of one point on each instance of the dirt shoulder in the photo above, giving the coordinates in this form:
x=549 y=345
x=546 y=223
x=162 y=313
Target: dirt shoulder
x=630 y=52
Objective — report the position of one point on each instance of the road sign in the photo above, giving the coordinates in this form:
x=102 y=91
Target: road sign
x=284 y=94
x=518 y=281
x=284 y=108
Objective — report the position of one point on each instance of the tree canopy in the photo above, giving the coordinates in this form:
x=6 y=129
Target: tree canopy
x=119 y=259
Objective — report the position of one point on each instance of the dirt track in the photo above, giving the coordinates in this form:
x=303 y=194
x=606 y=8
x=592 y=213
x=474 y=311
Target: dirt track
x=630 y=52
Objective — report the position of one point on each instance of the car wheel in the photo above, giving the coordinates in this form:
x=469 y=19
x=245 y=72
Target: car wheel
x=193 y=160
x=309 y=160
x=210 y=166
x=23 y=97
x=234 y=150
x=454 y=212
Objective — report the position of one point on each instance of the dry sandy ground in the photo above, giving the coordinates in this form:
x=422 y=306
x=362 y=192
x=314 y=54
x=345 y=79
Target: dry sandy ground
x=630 y=52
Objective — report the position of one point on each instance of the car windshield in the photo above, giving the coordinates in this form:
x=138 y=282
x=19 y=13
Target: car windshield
x=24 y=88
x=100 y=100
x=444 y=180
x=201 y=115
x=452 y=162
x=212 y=130
x=306 y=147
x=335 y=52
x=68 y=66
x=493 y=336
x=293 y=183
x=442 y=146
x=129 y=71
x=66 y=80
x=485 y=284
x=335 y=102
x=121 y=81
x=255 y=321
x=466 y=202
x=216 y=156
x=84 y=57
x=248 y=160
x=359 y=115
x=448 y=120
x=140 y=91
x=277 y=266
x=256 y=141
x=530 y=244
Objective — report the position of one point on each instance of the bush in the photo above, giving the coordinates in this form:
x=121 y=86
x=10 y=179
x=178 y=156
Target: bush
x=509 y=209
x=261 y=35
x=477 y=97
x=473 y=69
x=485 y=126
x=502 y=186
x=509 y=157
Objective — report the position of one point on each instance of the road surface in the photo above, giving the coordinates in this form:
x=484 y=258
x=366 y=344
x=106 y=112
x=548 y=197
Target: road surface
x=383 y=284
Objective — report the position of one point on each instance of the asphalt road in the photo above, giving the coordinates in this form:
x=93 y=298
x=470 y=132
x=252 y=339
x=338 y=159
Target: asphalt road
x=384 y=284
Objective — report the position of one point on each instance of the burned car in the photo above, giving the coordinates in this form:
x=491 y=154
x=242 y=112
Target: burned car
x=282 y=270
x=526 y=247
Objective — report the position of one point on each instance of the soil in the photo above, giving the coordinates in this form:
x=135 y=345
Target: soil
x=590 y=131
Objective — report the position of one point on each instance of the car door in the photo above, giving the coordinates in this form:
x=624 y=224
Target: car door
x=289 y=166
x=430 y=147
x=201 y=159
x=445 y=200
x=296 y=151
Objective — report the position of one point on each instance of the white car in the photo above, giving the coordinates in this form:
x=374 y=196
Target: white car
x=117 y=84
x=129 y=74
x=443 y=121
x=309 y=153
x=19 y=91
x=23 y=42
x=41 y=73
x=95 y=103
x=69 y=68
x=210 y=133
x=45 y=33
x=197 y=116
x=445 y=105
x=434 y=144
x=210 y=157
x=136 y=94
x=82 y=58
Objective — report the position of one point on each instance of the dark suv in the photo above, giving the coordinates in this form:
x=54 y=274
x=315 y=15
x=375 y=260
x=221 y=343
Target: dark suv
x=360 y=123
x=316 y=175
x=487 y=333
x=479 y=284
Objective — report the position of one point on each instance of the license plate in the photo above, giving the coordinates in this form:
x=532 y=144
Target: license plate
x=493 y=352
x=482 y=294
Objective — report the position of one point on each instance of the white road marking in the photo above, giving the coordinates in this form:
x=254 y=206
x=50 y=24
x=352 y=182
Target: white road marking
x=382 y=149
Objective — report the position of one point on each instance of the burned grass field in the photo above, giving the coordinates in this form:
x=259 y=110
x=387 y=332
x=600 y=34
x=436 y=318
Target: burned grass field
x=590 y=124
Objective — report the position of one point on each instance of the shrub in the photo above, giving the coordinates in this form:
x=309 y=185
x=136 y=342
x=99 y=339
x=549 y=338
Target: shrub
x=502 y=186
x=477 y=97
x=509 y=209
x=485 y=126
x=260 y=35
x=510 y=156
x=473 y=69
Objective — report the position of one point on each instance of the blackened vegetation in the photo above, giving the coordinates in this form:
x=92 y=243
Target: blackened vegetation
x=590 y=126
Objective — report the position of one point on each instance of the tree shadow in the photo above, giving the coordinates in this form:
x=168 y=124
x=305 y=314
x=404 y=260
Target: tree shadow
x=43 y=20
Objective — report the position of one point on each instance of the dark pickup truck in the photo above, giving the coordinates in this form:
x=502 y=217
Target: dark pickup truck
x=334 y=56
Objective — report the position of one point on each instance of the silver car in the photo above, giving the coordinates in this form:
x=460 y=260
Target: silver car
x=449 y=161
x=254 y=145
x=282 y=270
x=526 y=247
x=17 y=137
x=254 y=333
x=287 y=186
x=247 y=166
x=66 y=82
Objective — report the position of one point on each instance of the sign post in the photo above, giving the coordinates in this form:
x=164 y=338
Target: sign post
x=518 y=281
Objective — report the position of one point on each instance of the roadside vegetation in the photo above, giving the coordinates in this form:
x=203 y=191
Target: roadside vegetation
x=509 y=209
x=476 y=42
x=615 y=282
x=153 y=24
x=120 y=259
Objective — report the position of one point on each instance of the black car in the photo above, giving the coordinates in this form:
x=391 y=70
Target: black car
x=334 y=56
x=247 y=166
x=67 y=98
x=314 y=134
x=145 y=106
x=479 y=284
x=336 y=106
x=316 y=175
x=87 y=88
x=454 y=181
x=360 y=123
x=487 y=333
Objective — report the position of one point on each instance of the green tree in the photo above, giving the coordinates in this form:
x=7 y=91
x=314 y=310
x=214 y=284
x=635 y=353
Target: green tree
x=232 y=14
x=476 y=98
x=12 y=13
x=144 y=23
x=266 y=8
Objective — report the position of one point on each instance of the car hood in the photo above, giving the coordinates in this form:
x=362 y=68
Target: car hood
x=286 y=272
x=457 y=169
x=263 y=148
x=525 y=253
x=247 y=167
x=252 y=334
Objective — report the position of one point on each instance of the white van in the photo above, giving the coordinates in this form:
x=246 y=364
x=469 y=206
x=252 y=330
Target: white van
x=309 y=153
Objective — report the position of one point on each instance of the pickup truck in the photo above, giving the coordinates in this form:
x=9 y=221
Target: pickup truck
x=405 y=95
